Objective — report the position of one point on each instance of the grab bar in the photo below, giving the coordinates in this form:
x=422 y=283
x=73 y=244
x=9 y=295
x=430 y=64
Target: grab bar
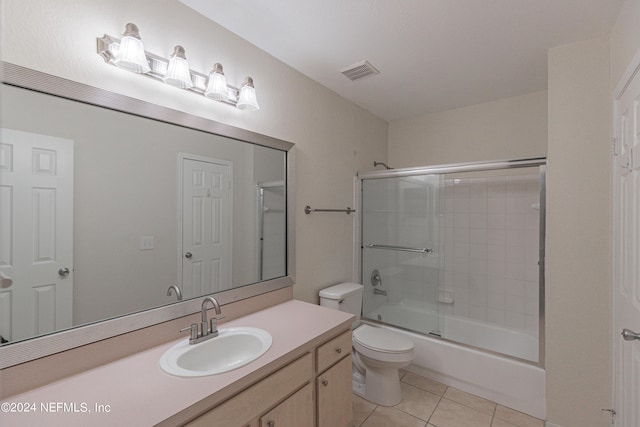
x=308 y=209
x=401 y=248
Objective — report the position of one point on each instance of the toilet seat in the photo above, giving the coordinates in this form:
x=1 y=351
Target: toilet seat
x=380 y=340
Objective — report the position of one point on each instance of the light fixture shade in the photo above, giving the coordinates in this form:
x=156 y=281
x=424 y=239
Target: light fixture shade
x=247 y=99
x=131 y=55
x=217 y=85
x=178 y=70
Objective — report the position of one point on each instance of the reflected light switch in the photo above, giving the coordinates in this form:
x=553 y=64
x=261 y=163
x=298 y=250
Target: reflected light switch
x=146 y=243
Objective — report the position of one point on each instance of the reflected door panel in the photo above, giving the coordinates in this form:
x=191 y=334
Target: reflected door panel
x=36 y=226
x=626 y=240
x=206 y=226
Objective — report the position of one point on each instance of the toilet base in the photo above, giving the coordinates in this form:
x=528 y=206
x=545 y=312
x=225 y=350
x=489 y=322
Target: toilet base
x=358 y=388
x=379 y=386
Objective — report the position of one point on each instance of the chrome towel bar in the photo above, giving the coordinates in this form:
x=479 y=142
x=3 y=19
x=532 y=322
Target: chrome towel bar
x=308 y=209
x=401 y=248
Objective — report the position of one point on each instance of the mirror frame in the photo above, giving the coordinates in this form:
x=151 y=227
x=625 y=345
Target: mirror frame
x=45 y=345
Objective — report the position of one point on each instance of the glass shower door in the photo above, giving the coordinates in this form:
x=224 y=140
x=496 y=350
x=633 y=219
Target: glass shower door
x=400 y=241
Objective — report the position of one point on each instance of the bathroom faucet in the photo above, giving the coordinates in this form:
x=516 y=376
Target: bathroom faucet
x=377 y=291
x=177 y=289
x=208 y=328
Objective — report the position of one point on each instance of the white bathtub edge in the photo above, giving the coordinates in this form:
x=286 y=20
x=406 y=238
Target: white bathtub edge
x=513 y=384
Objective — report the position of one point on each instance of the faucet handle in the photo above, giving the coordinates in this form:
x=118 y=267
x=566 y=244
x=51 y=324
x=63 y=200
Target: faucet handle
x=194 y=331
x=213 y=325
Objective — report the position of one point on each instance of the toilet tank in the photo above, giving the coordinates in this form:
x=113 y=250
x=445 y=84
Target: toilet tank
x=344 y=297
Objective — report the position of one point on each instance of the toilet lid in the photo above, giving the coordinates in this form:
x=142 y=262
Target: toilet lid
x=383 y=340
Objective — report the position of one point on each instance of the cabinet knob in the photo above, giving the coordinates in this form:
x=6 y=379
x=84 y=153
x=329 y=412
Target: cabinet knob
x=271 y=423
x=325 y=383
x=338 y=350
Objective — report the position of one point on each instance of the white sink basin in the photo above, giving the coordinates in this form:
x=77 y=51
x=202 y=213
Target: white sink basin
x=231 y=349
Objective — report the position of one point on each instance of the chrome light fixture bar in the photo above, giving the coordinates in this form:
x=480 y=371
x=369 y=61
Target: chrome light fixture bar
x=128 y=53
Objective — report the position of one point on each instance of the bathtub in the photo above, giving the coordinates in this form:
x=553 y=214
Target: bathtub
x=509 y=382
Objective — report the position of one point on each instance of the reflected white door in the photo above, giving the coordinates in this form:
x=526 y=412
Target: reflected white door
x=36 y=234
x=626 y=208
x=206 y=226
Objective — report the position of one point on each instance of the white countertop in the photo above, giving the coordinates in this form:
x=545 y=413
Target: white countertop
x=134 y=391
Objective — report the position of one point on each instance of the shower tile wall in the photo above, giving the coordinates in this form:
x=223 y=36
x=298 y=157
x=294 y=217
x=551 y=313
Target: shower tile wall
x=489 y=256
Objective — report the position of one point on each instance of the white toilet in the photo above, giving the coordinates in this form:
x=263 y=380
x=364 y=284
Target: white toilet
x=378 y=353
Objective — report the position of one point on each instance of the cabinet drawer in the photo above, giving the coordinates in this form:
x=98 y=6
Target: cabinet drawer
x=329 y=353
x=243 y=408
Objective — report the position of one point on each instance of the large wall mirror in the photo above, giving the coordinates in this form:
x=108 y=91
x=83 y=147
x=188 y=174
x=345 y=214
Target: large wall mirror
x=114 y=209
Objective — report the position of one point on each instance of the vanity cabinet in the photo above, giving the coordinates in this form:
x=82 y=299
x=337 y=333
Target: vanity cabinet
x=244 y=408
x=333 y=383
x=298 y=394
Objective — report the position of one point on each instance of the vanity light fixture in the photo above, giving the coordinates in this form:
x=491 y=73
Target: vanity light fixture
x=247 y=99
x=217 y=84
x=129 y=54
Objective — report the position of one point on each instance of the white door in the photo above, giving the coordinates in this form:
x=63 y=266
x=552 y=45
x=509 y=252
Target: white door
x=626 y=281
x=36 y=234
x=206 y=226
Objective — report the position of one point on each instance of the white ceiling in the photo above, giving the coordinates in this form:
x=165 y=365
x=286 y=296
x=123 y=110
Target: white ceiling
x=433 y=55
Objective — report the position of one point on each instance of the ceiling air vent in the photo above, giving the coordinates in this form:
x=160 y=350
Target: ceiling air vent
x=359 y=70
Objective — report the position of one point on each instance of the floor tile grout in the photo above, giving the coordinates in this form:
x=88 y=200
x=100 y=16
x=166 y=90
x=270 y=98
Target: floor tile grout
x=440 y=399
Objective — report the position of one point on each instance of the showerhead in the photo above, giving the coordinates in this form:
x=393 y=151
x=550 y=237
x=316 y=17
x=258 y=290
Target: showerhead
x=380 y=164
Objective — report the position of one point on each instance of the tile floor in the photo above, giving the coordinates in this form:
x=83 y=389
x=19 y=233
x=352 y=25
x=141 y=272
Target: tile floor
x=428 y=403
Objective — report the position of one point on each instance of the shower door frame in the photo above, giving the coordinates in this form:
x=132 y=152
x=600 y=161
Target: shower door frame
x=539 y=162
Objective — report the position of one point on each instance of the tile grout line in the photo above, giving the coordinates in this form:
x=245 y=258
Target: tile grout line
x=439 y=401
x=437 y=404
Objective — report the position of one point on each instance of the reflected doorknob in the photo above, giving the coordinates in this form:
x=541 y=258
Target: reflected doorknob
x=63 y=272
x=5 y=281
x=188 y=255
x=629 y=335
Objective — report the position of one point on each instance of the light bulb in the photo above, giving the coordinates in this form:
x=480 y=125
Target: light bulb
x=247 y=99
x=178 y=73
x=217 y=85
x=131 y=55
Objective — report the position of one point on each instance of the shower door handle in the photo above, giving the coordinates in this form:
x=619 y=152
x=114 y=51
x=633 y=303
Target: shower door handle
x=400 y=248
x=629 y=335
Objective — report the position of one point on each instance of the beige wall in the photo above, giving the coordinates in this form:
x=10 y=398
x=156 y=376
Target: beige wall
x=334 y=138
x=578 y=276
x=507 y=128
x=625 y=39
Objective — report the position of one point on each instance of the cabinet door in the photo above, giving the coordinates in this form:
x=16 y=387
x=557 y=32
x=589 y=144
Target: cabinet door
x=240 y=410
x=296 y=411
x=334 y=395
